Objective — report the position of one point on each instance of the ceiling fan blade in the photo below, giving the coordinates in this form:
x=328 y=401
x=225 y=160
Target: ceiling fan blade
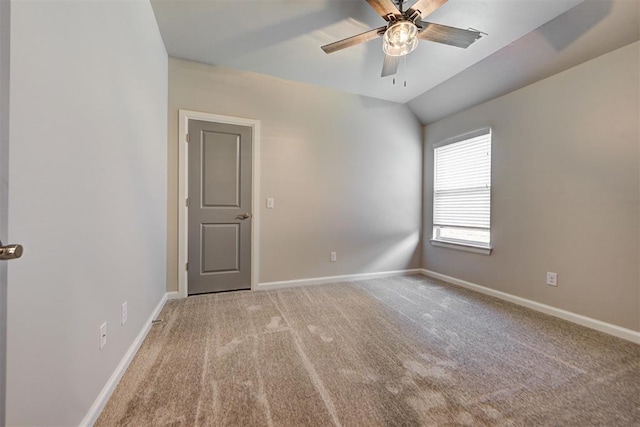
x=425 y=7
x=384 y=7
x=354 y=40
x=448 y=35
x=390 y=65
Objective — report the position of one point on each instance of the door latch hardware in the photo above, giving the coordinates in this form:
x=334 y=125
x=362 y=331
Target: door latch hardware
x=10 y=251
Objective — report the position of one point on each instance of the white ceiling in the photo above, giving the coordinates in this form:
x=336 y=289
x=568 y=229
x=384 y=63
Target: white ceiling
x=282 y=38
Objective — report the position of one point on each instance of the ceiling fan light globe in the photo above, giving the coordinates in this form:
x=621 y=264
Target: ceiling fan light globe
x=392 y=50
x=400 y=39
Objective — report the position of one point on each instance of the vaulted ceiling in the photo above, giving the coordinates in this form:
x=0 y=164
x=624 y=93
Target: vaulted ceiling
x=526 y=40
x=587 y=31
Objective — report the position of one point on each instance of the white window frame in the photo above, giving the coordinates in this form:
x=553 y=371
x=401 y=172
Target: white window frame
x=464 y=245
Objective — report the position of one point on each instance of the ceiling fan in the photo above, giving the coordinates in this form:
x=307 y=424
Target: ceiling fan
x=403 y=29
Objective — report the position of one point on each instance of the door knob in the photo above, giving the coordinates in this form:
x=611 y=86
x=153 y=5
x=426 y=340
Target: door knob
x=244 y=216
x=10 y=251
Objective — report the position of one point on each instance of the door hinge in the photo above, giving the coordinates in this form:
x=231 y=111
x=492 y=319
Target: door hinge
x=187 y=137
x=186 y=201
x=186 y=266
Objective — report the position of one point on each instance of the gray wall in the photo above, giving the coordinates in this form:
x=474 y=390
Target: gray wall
x=87 y=198
x=5 y=35
x=345 y=172
x=566 y=188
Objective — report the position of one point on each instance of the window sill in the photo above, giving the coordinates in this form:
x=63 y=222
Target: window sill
x=462 y=247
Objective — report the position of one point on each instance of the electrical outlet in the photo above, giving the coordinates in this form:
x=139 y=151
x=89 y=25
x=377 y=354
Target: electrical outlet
x=333 y=256
x=124 y=315
x=552 y=279
x=270 y=202
x=103 y=335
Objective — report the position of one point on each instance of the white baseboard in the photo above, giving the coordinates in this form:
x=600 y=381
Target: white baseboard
x=105 y=394
x=598 y=325
x=173 y=295
x=331 y=279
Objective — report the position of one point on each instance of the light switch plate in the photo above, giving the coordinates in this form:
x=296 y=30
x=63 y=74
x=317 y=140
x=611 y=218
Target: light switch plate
x=270 y=202
x=124 y=315
x=103 y=335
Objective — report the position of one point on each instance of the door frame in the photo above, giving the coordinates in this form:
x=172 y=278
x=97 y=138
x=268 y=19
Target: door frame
x=5 y=112
x=183 y=190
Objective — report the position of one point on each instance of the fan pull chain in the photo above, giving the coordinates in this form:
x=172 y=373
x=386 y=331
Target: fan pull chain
x=405 y=70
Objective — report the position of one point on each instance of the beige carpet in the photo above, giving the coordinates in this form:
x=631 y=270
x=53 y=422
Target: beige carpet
x=402 y=351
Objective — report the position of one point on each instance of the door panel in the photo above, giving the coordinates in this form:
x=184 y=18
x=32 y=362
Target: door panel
x=220 y=248
x=219 y=252
x=221 y=167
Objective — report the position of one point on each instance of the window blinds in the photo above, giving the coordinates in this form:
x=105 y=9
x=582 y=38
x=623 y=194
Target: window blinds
x=462 y=187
